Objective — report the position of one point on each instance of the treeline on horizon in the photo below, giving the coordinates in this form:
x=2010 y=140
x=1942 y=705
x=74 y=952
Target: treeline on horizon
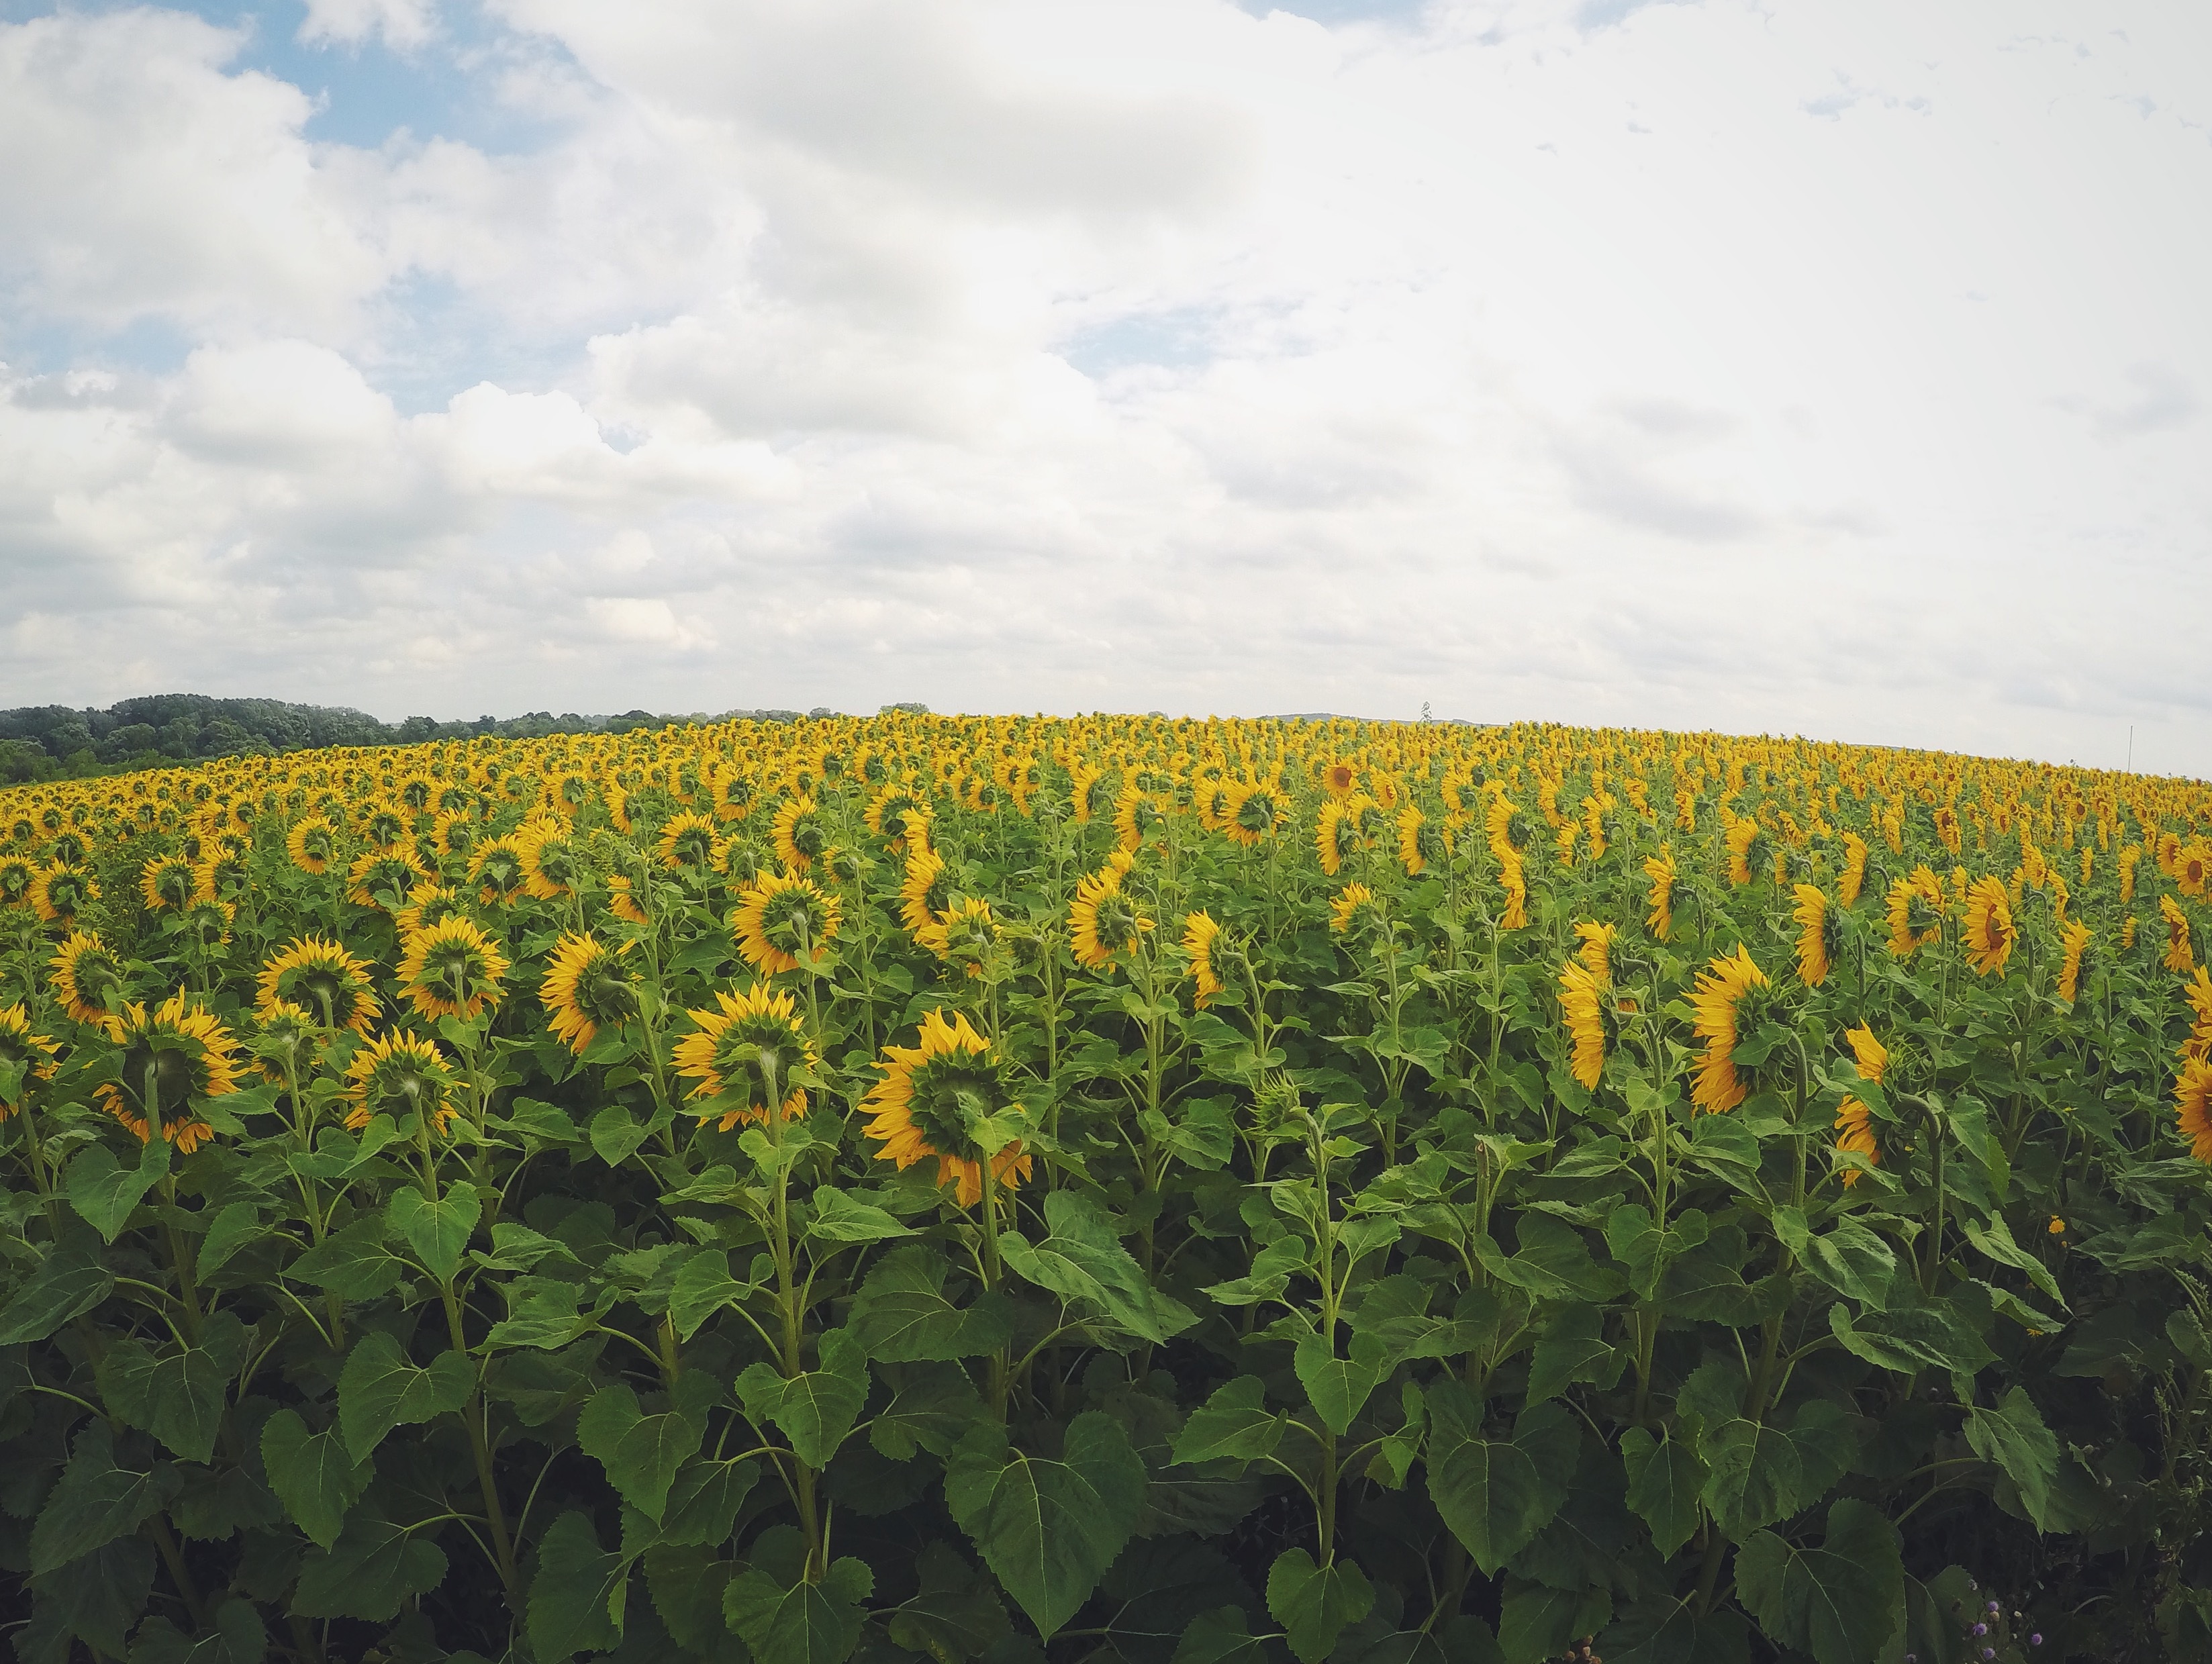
x=62 y=742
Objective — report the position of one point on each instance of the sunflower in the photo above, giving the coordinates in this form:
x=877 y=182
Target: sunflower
x=87 y=980
x=178 y=1052
x=722 y=1051
x=428 y=904
x=383 y=825
x=1717 y=999
x=1255 y=814
x=1597 y=950
x=1853 y=879
x=1741 y=837
x=60 y=891
x=167 y=881
x=780 y=919
x=398 y=1074
x=312 y=844
x=1104 y=924
x=499 y=870
x=1356 y=915
x=1137 y=815
x=2192 y=866
x=585 y=989
x=965 y=934
x=17 y=874
x=321 y=976
x=1853 y=1119
x=208 y=921
x=1509 y=874
x=552 y=860
x=1660 y=868
x=1498 y=826
x=1198 y=930
x=1340 y=778
x=2180 y=955
x=621 y=902
x=289 y=1032
x=1336 y=833
x=1820 y=933
x=926 y=891
x=1915 y=912
x=733 y=791
x=1582 y=1006
x=1564 y=839
x=30 y=1051
x=929 y=1098
x=455 y=834
x=688 y=843
x=2074 y=945
x=1411 y=855
x=1988 y=934
x=2192 y=1105
x=898 y=815
x=1087 y=790
x=382 y=877
x=452 y=970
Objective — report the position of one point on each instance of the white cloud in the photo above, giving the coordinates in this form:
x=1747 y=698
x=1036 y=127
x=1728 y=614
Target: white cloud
x=1836 y=370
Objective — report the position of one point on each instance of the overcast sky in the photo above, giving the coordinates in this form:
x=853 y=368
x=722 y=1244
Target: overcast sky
x=1833 y=369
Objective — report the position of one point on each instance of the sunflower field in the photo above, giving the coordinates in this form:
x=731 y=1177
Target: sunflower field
x=1106 y=1190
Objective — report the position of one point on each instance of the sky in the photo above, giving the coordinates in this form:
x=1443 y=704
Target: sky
x=1830 y=369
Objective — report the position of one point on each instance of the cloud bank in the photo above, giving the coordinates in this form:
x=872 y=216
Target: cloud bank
x=1820 y=368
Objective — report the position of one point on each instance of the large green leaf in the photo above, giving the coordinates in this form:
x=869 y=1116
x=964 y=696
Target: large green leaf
x=1314 y=1604
x=95 y=1501
x=104 y=1191
x=954 y=1615
x=314 y=1474
x=178 y=1395
x=1995 y=1240
x=1665 y=1479
x=901 y=1314
x=70 y=1282
x=702 y=1287
x=1496 y=1494
x=235 y=1635
x=1848 y=1257
x=1234 y=1423
x=1338 y=1386
x=641 y=1453
x=1754 y=1476
x=785 y=1619
x=1573 y=1348
x=374 y=1566
x=1839 y=1602
x=814 y=1409
x=437 y=1230
x=578 y=1597
x=1047 y=1529
x=704 y=1500
x=379 y=1389
x=2014 y=1437
x=1082 y=1260
x=1911 y=1336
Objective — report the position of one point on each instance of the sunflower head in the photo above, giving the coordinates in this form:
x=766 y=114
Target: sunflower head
x=60 y=892
x=499 y=870
x=312 y=844
x=951 y=1098
x=1199 y=932
x=452 y=970
x=1819 y=935
x=1988 y=934
x=2192 y=1107
x=26 y=1054
x=689 y=843
x=1104 y=924
x=782 y=922
x=737 y=1047
x=165 y=1059
x=288 y=1033
x=1356 y=914
x=585 y=989
x=383 y=877
x=967 y=933
x=552 y=861
x=317 y=973
x=2075 y=962
x=401 y=1075
x=87 y=978
x=799 y=835
x=1728 y=1000
x=1255 y=813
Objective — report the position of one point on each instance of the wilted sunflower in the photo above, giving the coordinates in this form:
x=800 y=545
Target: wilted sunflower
x=1717 y=999
x=2192 y=1105
x=397 y=1075
x=176 y=1053
x=26 y=1049
x=585 y=989
x=1853 y=879
x=1819 y=935
x=87 y=980
x=1916 y=906
x=1853 y=1119
x=2074 y=945
x=1198 y=930
x=1660 y=868
x=383 y=878
x=929 y=1098
x=1104 y=924
x=312 y=844
x=720 y=1053
x=1582 y=1007
x=2180 y=952
x=167 y=881
x=778 y=920
x=1988 y=934
x=320 y=975
x=452 y=970
x=60 y=892
x=499 y=870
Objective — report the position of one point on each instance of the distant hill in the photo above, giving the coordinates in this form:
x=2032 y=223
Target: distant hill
x=47 y=741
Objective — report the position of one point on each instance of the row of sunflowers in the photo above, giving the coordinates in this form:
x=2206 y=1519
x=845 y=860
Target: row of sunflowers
x=1178 y=1192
